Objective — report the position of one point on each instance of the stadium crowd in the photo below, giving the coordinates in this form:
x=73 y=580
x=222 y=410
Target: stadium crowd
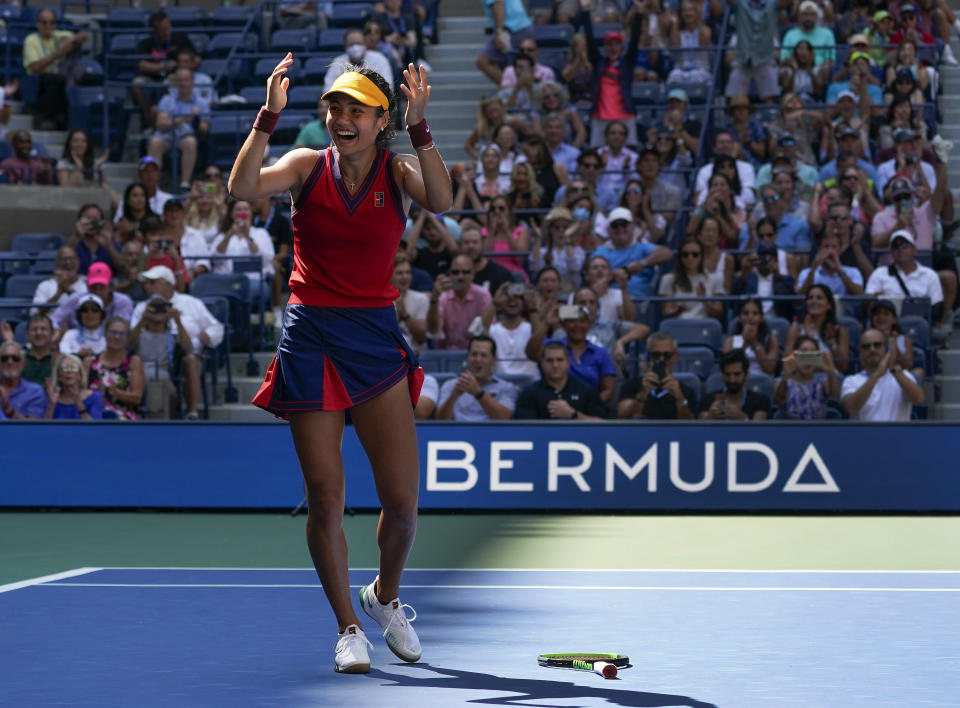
x=673 y=210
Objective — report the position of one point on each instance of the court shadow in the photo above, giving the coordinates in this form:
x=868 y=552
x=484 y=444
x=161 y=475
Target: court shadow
x=531 y=689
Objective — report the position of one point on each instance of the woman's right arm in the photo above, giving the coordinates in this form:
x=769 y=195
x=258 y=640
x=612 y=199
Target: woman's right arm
x=248 y=180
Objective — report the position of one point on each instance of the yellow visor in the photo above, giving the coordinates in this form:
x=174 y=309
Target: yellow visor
x=359 y=87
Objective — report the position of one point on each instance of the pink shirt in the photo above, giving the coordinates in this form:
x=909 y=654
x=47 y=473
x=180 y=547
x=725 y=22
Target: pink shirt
x=541 y=72
x=609 y=97
x=456 y=314
x=923 y=224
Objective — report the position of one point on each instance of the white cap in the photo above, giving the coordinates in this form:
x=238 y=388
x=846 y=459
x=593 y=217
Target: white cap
x=90 y=297
x=620 y=214
x=905 y=235
x=159 y=272
x=808 y=5
x=848 y=94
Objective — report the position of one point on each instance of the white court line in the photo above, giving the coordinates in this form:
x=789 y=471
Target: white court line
x=46 y=579
x=691 y=588
x=555 y=570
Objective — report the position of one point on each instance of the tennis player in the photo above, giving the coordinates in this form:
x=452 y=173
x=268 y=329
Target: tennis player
x=341 y=346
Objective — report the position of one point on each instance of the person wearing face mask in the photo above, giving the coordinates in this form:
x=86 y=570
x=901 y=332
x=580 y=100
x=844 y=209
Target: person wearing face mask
x=356 y=52
x=239 y=238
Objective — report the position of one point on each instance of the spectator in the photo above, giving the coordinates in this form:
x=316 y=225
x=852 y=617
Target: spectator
x=846 y=114
x=848 y=143
x=68 y=395
x=716 y=262
x=117 y=374
x=98 y=283
x=637 y=259
x=904 y=277
x=589 y=165
x=40 y=349
x=792 y=233
x=803 y=389
x=612 y=76
x=549 y=174
x=505 y=137
x=785 y=179
x=161 y=250
x=720 y=206
x=882 y=391
x=901 y=116
x=186 y=318
x=77 y=166
x=910 y=209
x=24 y=167
x=647 y=225
x=552 y=99
x=204 y=209
x=556 y=243
x=558 y=395
x=617 y=159
x=821 y=38
x=906 y=66
x=547 y=285
x=655 y=189
x=752 y=336
x=292 y=14
x=87 y=338
x=399 y=30
x=808 y=128
x=486 y=273
x=519 y=97
x=749 y=134
x=19 y=398
x=268 y=215
x=854 y=237
x=786 y=156
x=47 y=54
x=760 y=275
x=577 y=72
x=491 y=398
x=688 y=278
x=613 y=303
x=126 y=279
x=591 y=225
x=826 y=269
x=799 y=74
x=356 y=53
x=694 y=58
x=590 y=363
x=491 y=112
x=563 y=153
x=754 y=61
x=427 y=403
x=435 y=257
x=910 y=29
x=512 y=330
x=66 y=280
x=819 y=322
x=182 y=120
x=202 y=83
x=162 y=45
x=735 y=403
x=657 y=395
x=189 y=243
x=541 y=72
x=134 y=210
x=238 y=237
x=613 y=335
x=411 y=305
x=455 y=302
x=148 y=173
x=511 y=26
x=93 y=238
x=725 y=145
x=880 y=35
x=489 y=183
x=525 y=192
x=503 y=235
x=313 y=134
x=681 y=127
x=883 y=316
x=860 y=81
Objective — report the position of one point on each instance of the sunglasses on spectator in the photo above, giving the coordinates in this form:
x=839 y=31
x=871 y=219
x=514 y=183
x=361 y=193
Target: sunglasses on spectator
x=460 y=272
x=619 y=224
x=689 y=254
x=117 y=332
x=9 y=357
x=837 y=217
x=660 y=355
x=899 y=243
x=88 y=309
x=634 y=190
x=68 y=368
x=872 y=345
x=771 y=198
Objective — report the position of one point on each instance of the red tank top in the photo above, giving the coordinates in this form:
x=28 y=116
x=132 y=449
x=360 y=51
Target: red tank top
x=344 y=246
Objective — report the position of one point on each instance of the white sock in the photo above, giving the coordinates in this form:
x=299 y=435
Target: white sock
x=956 y=25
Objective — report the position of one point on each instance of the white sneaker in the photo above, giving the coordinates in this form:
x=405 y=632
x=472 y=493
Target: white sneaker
x=947 y=56
x=352 y=656
x=400 y=635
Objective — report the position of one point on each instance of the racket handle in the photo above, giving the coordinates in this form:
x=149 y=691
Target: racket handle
x=605 y=669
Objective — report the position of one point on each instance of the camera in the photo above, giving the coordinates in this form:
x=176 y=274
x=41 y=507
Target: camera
x=905 y=206
x=910 y=159
x=516 y=289
x=160 y=308
x=95 y=226
x=163 y=244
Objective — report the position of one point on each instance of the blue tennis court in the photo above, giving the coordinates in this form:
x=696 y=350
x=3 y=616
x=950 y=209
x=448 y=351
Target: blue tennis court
x=251 y=637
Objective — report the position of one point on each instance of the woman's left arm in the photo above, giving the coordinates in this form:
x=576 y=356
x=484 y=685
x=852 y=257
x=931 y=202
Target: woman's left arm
x=424 y=177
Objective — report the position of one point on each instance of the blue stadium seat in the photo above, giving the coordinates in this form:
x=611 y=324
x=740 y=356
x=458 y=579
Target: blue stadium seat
x=852 y=325
x=304 y=96
x=699 y=331
x=601 y=28
x=29 y=13
x=918 y=329
x=135 y=17
x=236 y=288
x=442 y=360
x=227 y=132
x=760 y=383
x=89 y=72
x=221 y=44
x=35 y=241
x=696 y=360
x=552 y=35
x=351 y=14
x=200 y=41
x=696 y=93
x=554 y=57
x=86 y=111
x=288 y=127
x=253 y=94
x=293 y=40
x=315 y=69
x=646 y=93
x=693 y=382
x=780 y=327
x=23 y=285
x=214 y=358
x=20 y=333
x=124 y=43
x=15 y=310
x=9 y=12
x=12 y=262
x=234 y=69
x=233 y=17
x=264 y=67
x=331 y=39
x=43 y=262
x=915 y=307
x=182 y=16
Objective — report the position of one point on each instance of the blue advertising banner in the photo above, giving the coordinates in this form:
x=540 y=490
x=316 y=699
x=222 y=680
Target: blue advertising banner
x=517 y=465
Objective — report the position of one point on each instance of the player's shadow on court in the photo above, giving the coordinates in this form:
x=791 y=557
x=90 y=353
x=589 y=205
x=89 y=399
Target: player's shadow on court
x=531 y=689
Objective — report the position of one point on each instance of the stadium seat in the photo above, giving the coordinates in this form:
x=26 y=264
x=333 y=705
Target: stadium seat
x=233 y=17
x=43 y=262
x=234 y=69
x=22 y=285
x=304 y=96
x=227 y=132
x=200 y=41
x=601 y=28
x=351 y=14
x=86 y=111
x=214 y=358
x=29 y=13
x=780 y=327
x=696 y=93
x=9 y=12
x=852 y=325
x=915 y=307
x=693 y=382
x=760 y=383
x=289 y=125
x=20 y=333
x=222 y=43
x=13 y=262
x=436 y=361
x=315 y=69
x=699 y=331
x=696 y=360
x=264 y=67
x=15 y=309
x=331 y=39
x=292 y=40
x=135 y=17
x=646 y=93
x=918 y=329
x=253 y=94
x=34 y=241
x=124 y=43
x=89 y=72
x=236 y=288
x=183 y=16
x=557 y=35
x=554 y=57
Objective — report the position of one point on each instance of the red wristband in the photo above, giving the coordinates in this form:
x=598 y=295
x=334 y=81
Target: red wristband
x=266 y=121
x=420 y=134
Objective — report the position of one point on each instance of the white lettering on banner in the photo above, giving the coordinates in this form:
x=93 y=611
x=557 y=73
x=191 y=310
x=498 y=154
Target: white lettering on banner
x=496 y=464
x=465 y=463
x=811 y=456
x=554 y=470
x=733 y=449
x=614 y=462
x=683 y=486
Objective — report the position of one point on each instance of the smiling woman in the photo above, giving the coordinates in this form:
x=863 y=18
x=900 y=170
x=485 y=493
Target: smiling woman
x=341 y=346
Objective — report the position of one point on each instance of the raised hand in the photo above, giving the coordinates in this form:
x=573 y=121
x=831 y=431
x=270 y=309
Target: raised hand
x=277 y=85
x=417 y=93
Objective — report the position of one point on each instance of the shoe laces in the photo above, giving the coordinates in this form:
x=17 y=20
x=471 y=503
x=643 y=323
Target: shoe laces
x=346 y=637
x=400 y=618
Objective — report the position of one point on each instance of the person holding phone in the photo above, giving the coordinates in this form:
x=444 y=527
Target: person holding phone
x=239 y=237
x=808 y=381
x=657 y=394
x=735 y=402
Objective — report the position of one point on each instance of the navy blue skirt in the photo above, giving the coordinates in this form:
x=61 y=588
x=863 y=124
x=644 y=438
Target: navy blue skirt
x=333 y=358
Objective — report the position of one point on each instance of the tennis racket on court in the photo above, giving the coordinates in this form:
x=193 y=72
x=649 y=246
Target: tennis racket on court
x=607 y=665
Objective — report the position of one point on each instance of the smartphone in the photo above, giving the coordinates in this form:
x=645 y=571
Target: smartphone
x=210 y=188
x=570 y=312
x=809 y=358
x=516 y=289
x=456 y=283
x=660 y=369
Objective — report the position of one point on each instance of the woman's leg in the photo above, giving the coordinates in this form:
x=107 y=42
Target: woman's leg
x=317 y=436
x=387 y=431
